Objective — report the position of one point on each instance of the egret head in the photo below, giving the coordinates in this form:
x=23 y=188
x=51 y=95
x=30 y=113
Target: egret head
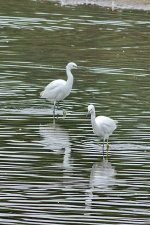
x=91 y=109
x=71 y=66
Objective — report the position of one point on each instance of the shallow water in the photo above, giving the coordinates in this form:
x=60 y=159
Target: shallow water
x=55 y=173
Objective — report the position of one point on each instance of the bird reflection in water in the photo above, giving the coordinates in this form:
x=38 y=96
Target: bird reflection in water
x=56 y=139
x=102 y=179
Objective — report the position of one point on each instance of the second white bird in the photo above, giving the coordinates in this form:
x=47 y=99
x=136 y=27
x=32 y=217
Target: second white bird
x=103 y=126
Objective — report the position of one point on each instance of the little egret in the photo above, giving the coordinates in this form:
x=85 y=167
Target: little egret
x=102 y=126
x=59 y=89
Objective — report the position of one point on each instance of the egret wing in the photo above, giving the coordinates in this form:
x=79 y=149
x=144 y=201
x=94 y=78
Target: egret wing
x=55 y=84
x=106 y=124
x=52 y=88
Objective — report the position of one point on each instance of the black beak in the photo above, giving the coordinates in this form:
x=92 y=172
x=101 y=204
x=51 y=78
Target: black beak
x=81 y=67
x=87 y=114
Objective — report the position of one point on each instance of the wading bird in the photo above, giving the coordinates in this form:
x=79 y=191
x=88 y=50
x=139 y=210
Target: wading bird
x=59 y=89
x=102 y=126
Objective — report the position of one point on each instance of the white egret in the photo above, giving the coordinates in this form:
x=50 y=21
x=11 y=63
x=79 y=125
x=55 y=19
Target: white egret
x=102 y=126
x=59 y=89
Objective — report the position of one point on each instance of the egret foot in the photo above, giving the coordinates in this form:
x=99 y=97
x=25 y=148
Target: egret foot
x=64 y=113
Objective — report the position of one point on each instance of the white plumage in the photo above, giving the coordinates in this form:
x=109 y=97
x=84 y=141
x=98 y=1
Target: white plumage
x=59 y=89
x=102 y=126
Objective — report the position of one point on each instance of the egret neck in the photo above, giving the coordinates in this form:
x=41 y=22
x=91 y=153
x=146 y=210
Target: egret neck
x=69 y=82
x=93 y=119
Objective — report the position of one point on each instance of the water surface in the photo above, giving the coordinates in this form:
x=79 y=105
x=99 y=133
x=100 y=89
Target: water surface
x=55 y=173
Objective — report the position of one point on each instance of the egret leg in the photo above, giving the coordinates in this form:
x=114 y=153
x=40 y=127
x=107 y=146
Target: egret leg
x=57 y=105
x=54 y=121
x=64 y=113
x=57 y=108
x=54 y=109
x=107 y=147
x=103 y=146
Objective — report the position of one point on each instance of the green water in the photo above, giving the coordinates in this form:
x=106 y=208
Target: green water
x=56 y=174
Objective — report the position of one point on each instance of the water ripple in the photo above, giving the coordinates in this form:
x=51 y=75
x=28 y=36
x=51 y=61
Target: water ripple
x=54 y=172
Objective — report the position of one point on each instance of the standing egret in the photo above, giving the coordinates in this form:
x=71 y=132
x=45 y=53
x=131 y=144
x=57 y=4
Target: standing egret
x=102 y=126
x=59 y=89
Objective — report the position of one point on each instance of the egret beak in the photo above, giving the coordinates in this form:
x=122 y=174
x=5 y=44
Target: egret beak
x=87 y=114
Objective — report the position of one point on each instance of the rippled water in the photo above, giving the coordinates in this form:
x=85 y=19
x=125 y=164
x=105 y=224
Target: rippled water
x=55 y=173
